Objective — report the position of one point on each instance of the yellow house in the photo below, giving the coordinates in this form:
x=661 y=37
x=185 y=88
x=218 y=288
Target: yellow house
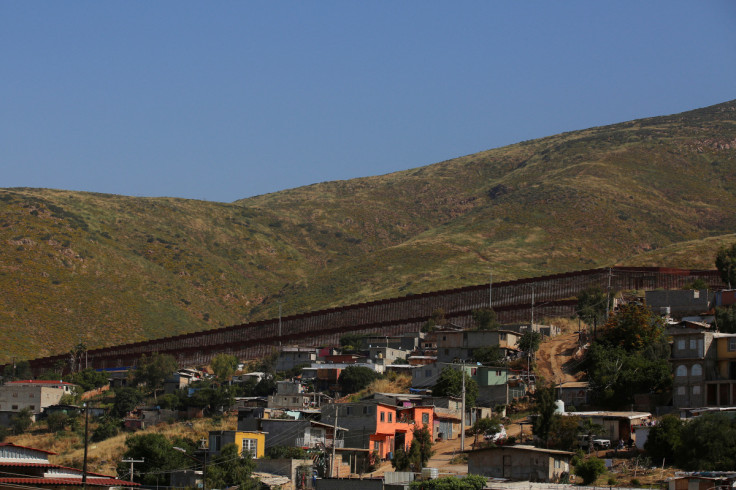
x=721 y=391
x=251 y=442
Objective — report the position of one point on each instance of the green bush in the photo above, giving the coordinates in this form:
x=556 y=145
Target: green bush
x=590 y=470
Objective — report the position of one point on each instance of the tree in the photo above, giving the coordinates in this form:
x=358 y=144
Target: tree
x=726 y=319
x=469 y=482
x=107 y=427
x=485 y=319
x=592 y=307
x=159 y=457
x=545 y=409
x=450 y=383
x=57 y=421
x=352 y=342
x=617 y=375
x=665 y=439
x=563 y=433
x=231 y=469
x=224 y=366
x=590 y=469
x=286 y=452
x=530 y=342
x=633 y=327
x=589 y=429
x=153 y=371
x=489 y=355
x=726 y=264
x=420 y=449
x=126 y=399
x=708 y=444
x=354 y=378
x=485 y=426
x=400 y=462
x=21 y=421
x=89 y=379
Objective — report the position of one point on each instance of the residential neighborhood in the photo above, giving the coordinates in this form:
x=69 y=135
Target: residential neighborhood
x=372 y=407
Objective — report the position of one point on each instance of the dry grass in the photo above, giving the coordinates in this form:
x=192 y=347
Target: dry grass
x=104 y=456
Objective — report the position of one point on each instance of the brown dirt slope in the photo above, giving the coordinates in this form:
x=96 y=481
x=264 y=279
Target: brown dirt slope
x=557 y=359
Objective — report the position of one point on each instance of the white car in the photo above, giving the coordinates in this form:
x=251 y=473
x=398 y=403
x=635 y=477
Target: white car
x=498 y=436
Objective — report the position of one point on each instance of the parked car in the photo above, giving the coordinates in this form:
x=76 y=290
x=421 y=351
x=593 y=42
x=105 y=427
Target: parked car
x=498 y=436
x=598 y=443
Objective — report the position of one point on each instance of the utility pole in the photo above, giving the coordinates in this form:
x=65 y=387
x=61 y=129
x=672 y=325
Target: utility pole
x=334 y=434
x=462 y=424
x=131 y=461
x=490 y=291
x=279 y=323
x=608 y=294
x=532 y=325
x=86 y=439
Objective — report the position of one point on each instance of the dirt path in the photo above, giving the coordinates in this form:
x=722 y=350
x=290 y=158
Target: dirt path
x=556 y=358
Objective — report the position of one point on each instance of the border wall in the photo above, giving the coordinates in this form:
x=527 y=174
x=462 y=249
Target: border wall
x=553 y=296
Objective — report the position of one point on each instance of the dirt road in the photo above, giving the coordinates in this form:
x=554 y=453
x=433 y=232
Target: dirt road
x=556 y=361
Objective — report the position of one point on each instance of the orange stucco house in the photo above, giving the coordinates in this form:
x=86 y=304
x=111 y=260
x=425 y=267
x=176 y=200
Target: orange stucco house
x=379 y=427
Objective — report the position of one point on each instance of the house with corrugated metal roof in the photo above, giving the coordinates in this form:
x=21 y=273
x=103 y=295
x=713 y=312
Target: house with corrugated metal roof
x=27 y=467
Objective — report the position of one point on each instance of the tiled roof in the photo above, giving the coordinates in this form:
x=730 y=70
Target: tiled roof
x=10 y=444
x=40 y=382
x=91 y=481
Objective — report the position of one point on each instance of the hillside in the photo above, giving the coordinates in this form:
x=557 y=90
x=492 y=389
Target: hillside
x=109 y=269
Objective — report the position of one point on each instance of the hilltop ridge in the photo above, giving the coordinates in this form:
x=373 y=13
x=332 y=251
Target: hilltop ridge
x=107 y=269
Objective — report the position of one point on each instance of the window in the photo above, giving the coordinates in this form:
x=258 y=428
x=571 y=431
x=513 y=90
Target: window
x=376 y=446
x=365 y=409
x=473 y=371
x=349 y=410
x=696 y=370
x=681 y=371
x=680 y=345
x=15 y=395
x=428 y=373
x=250 y=446
x=680 y=390
x=383 y=416
x=390 y=417
x=33 y=407
x=696 y=390
x=217 y=442
x=498 y=372
x=693 y=343
x=425 y=418
x=732 y=344
x=15 y=407
x=447 y=352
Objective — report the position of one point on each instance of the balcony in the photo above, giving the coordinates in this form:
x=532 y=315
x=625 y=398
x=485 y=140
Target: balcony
x=317 y=441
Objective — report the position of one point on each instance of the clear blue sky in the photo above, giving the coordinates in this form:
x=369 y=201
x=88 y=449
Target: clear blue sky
x=225 y=100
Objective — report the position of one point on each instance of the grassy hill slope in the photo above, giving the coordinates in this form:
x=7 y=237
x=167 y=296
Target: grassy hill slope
x=109 y=269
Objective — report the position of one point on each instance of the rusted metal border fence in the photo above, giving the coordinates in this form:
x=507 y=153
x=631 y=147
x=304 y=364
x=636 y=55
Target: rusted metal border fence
x=554 y=295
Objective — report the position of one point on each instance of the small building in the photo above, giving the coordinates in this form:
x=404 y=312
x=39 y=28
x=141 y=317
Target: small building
x=679 y=302
x=378 y=426
x=302 y=433
x=26 y=467
x=617 y=426
x=252 y=442
x=290 y=395
x=574 y=393
x=711 y=480
x=34 y=395
x=298 y=471
x=291 y=357
x=526 y=463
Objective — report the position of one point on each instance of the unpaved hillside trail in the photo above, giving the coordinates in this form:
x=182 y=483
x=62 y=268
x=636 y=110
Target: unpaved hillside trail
x=555 y=358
